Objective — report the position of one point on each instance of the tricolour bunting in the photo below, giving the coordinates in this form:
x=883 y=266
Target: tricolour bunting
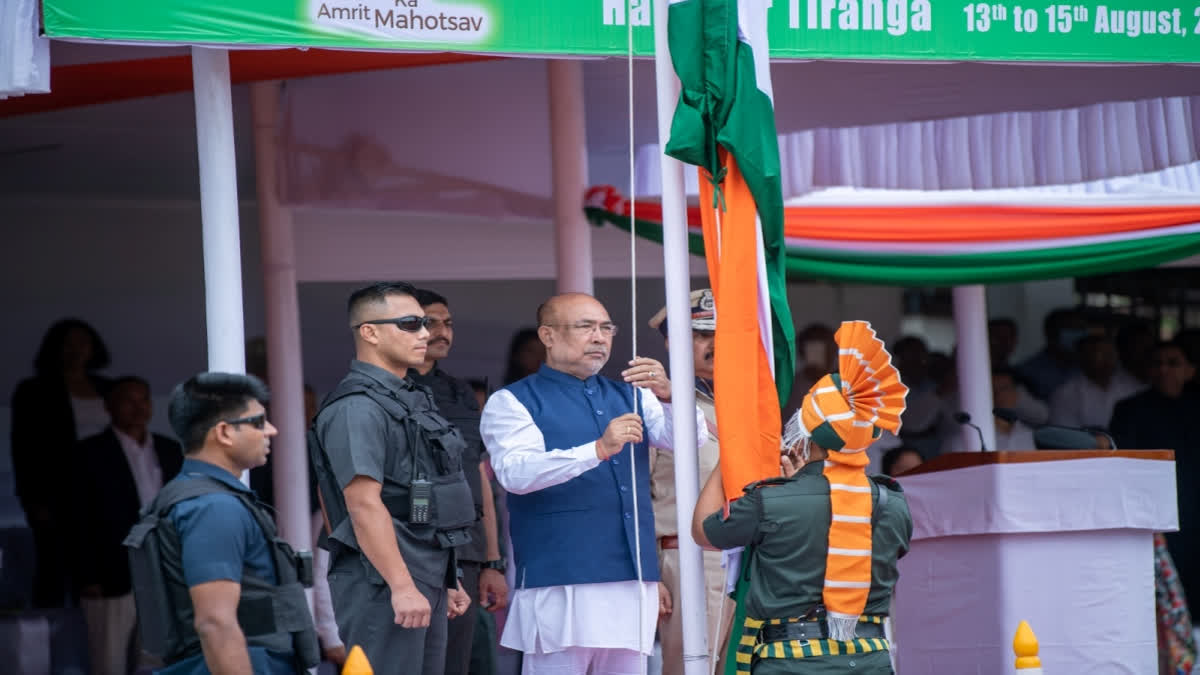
x=956 y=244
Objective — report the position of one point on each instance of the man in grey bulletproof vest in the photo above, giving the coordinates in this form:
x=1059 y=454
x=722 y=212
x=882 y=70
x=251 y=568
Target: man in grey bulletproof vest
x=392 y=488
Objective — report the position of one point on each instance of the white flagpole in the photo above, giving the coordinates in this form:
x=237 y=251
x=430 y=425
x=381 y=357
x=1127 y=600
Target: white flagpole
x=691 y=605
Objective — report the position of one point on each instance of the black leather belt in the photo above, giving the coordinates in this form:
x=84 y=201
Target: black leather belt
x=813 y=630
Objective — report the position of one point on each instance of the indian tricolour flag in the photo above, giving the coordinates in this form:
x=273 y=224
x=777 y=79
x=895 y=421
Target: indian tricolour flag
x=725 y=124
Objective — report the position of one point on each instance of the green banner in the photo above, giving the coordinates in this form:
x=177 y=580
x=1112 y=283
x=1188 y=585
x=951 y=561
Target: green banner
x=1123 y=31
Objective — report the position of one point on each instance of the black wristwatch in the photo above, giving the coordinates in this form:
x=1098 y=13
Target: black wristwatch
x=498 y=565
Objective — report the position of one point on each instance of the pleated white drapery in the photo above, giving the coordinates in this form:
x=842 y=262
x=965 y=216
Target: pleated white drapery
x=983 y=152
x=24 y=55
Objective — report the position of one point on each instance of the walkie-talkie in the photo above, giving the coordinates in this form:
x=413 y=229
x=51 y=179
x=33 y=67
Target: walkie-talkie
x=420 y=496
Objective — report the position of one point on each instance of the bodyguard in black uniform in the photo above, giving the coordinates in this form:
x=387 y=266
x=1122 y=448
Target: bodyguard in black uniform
x=480 y=562
x=393 y=492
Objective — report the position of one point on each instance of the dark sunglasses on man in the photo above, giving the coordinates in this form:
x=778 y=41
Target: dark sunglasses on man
x=258 y=421
x=408 y=324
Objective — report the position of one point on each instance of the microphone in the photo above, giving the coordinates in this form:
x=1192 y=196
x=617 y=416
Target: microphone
x=1008 y=415
x=965 y=418
x=1112 y=442
x=1055 y=436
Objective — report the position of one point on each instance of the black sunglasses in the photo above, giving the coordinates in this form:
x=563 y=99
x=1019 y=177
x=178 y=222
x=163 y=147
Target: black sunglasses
x=408 y=324
x=258 y=421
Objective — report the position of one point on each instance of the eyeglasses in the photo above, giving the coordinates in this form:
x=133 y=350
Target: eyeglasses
x=258 y=421
x=580 y=328
x=408 y=324
x=434 y=323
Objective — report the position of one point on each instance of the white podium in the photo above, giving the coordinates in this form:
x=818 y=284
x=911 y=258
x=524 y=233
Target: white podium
x=1062 y=540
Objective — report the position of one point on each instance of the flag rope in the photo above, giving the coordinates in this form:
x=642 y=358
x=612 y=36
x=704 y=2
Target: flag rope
x=633 y=332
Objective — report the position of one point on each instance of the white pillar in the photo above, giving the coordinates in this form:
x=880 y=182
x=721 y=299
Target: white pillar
x=219 y=211
x=974 y=365
x=691 y=605
x=285 y=370
x=568 y=158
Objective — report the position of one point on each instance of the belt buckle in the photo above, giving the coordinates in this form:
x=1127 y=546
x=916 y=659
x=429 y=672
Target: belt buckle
x=814 y=627
x=817 y=613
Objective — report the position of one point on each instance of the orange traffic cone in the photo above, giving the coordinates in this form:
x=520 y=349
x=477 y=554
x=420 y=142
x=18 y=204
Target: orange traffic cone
x=357 y=663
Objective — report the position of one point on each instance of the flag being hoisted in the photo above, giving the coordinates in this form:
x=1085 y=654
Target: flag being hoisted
x=725 y=125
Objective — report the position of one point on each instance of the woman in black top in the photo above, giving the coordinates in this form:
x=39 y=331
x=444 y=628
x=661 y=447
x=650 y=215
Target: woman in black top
x=52 y=410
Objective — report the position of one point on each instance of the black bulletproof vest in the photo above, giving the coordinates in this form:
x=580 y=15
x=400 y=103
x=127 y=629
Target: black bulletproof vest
x=455 y=401
x=272 y=616
x=434 y=453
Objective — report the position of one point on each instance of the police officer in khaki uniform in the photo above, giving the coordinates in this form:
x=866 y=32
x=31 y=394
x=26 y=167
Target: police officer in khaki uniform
x=393 y=491
x=817 y=599
x=662 y=492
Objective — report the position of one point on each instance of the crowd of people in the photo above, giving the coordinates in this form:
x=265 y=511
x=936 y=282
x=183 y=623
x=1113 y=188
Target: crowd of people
x=430 y=487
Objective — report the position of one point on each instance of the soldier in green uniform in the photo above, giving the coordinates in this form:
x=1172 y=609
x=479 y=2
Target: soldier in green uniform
x=817 y=598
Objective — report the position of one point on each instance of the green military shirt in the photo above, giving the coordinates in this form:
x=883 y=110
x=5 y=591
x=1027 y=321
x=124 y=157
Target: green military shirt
x=787 y=521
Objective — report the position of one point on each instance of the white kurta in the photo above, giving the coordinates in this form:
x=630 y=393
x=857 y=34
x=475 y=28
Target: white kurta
x=553 y=618
x=1079 y=402
x=1018 y=437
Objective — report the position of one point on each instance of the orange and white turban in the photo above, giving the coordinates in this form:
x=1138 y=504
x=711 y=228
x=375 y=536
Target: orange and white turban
x=843 y=413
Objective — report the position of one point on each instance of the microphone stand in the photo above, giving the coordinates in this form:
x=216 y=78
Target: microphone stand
x=964 y=418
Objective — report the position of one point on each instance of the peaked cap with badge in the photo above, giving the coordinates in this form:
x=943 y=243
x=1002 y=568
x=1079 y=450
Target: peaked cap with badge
x=704 y=313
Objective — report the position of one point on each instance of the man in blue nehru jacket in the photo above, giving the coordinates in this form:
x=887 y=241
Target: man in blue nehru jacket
x=559 y=441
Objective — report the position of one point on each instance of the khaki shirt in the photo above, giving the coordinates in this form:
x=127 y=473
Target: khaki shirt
x=662 y=471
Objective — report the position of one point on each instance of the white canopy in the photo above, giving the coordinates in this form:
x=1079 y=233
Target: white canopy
x=1024 y=149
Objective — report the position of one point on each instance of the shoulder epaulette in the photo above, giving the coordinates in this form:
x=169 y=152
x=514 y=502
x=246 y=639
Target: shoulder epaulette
x=766 y=482
x=887 y=482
